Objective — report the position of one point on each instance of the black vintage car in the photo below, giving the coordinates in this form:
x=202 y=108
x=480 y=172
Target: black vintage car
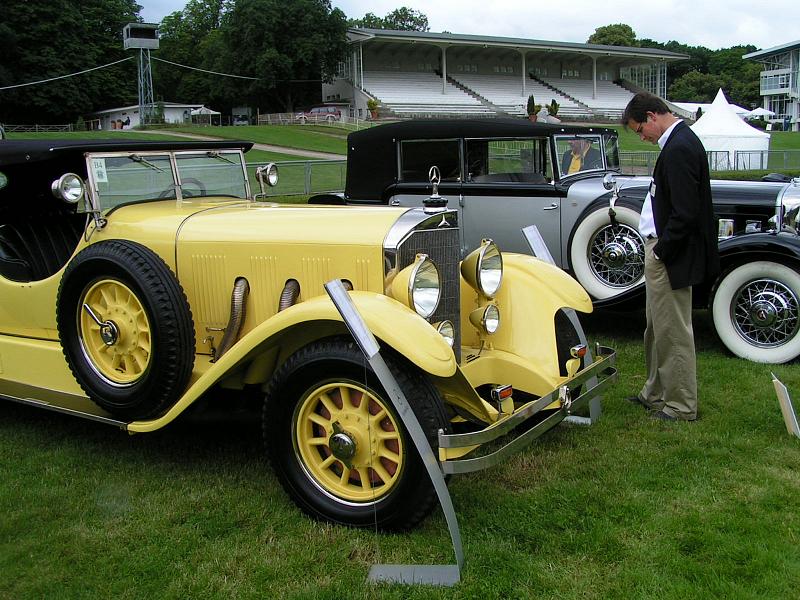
x=504 y=174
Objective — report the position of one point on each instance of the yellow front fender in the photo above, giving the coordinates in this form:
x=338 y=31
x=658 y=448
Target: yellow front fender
x=390 y=321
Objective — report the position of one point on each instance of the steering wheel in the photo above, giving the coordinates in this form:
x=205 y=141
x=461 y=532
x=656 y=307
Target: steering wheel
x=195 y=182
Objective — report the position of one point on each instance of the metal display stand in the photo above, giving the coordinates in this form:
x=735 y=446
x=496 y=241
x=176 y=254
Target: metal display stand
x=539 y=250
x=445 y=575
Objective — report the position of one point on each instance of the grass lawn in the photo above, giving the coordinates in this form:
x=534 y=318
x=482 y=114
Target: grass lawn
x=627 y=508
x=91 y=135
x=289 y=136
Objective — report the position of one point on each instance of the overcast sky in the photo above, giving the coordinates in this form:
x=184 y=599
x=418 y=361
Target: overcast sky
x=711 y=23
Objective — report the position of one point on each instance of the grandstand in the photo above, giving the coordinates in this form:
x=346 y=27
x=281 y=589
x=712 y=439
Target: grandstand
x=412 y=73
x=505 y=93
x=420 y=94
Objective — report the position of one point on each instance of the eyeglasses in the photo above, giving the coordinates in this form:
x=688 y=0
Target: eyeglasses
x=639 y=129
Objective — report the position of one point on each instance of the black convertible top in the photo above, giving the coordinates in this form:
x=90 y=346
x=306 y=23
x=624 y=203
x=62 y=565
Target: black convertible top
x=372 y=158
x=27 y=151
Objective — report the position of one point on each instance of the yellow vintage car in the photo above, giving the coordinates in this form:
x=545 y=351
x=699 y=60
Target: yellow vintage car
x=138 y=277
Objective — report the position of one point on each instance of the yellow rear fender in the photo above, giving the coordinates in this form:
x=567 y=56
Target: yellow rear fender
x=392 y=323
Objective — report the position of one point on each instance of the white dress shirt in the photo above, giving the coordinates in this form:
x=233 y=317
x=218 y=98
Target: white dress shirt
x=647 y=225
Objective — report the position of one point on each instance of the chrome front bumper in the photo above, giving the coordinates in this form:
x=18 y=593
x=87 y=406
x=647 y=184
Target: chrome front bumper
x=603 y=373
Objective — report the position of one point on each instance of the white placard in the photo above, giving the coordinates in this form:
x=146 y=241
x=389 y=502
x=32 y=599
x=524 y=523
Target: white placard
x=789 y=416
x=99 y=170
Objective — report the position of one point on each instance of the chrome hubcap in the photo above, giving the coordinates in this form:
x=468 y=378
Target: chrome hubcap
x=616 y=255
x=766 y=313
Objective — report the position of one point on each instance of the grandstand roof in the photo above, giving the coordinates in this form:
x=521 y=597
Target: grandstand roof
x=774 y=50
x=622 y=53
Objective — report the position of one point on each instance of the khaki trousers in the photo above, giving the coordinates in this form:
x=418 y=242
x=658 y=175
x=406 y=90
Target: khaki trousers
x=671 y=383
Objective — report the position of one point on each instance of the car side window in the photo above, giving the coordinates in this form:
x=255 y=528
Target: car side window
x=418 y=156
x=509 y=161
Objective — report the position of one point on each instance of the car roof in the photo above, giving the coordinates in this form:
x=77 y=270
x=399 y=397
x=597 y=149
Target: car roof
x=371 y=160
x=27 y=151
x=468 y=128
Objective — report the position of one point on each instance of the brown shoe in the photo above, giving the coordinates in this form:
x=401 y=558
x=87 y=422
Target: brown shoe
x=637 y=400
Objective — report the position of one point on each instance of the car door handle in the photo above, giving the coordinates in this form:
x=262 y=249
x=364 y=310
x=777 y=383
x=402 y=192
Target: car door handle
x=553 y=206
x=394 y=202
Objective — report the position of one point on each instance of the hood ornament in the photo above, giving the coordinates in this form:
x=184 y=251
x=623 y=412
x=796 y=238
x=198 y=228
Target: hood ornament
x=434 y=203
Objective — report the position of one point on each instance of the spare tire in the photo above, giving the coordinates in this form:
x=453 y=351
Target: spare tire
x=126 y=329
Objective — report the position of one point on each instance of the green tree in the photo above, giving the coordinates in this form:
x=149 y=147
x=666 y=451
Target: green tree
x=187 y=38
x=695 y=87
x=42 y=40
x=618 y=34
x=291 y=47
x=401 y=19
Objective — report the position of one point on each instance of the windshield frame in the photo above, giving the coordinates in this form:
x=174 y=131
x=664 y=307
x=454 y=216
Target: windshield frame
x=95 y=195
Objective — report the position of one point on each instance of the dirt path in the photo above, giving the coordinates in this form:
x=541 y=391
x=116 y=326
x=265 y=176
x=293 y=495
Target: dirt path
x=257 y=146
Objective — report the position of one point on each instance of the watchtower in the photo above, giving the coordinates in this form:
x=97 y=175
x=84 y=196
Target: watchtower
x=143 y=36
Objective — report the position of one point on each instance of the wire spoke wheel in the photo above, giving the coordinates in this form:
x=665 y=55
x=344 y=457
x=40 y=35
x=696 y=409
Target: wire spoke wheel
x=348 y=442
x=765 y=313
x=616 y=255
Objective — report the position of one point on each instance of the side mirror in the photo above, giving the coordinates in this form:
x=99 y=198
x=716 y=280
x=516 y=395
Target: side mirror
x=609 y=181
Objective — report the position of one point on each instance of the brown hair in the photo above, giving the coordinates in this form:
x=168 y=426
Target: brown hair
x=641 y=104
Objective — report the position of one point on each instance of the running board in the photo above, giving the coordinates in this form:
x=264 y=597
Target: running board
x=68 y=404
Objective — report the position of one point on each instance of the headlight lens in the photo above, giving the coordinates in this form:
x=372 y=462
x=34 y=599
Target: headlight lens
x=447 y=331
x=68 y=187
x=486 y=318
x=419 y=285
x=268 y=174
x=483 y=268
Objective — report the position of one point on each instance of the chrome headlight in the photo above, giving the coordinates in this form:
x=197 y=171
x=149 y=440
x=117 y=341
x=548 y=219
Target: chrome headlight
x=447 y=331
x=486 y=318
x=267 y=174
x=483 y=268
x=419 y=286
x=791 y=215
x=68 y=187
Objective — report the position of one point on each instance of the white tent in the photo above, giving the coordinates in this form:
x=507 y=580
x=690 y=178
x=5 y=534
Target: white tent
x=724 y=133
x=205 y=115
x=760 y=112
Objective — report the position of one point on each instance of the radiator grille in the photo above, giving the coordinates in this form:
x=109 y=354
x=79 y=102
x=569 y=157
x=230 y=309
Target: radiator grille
x=442 y=246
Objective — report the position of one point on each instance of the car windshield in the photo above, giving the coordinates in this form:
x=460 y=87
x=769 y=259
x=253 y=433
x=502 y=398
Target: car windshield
x=579 y=153
x=119 y=179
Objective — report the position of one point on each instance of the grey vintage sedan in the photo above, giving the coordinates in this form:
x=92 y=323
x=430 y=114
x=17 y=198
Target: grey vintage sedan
x=505 y=174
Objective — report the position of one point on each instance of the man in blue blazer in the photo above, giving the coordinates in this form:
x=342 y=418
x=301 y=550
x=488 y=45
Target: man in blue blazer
x=680 y=230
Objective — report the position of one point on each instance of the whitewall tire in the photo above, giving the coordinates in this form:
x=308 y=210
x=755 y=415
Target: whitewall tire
x=756 y=311
x=606 y=260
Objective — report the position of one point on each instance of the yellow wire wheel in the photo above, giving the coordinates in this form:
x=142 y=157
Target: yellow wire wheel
x=348 y=441
x=115 y=332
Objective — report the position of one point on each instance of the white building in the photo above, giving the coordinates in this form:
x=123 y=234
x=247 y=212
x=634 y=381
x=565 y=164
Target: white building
x=780 y=81
x=413 y=73
x=127 y=117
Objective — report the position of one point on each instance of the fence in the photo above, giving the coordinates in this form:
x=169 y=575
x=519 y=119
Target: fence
x=643 y=163
x=306 y=176
x=352 y=123
x=37 y=128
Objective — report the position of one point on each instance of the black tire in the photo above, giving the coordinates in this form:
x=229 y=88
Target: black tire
x=143 y=364
x=297 y=388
